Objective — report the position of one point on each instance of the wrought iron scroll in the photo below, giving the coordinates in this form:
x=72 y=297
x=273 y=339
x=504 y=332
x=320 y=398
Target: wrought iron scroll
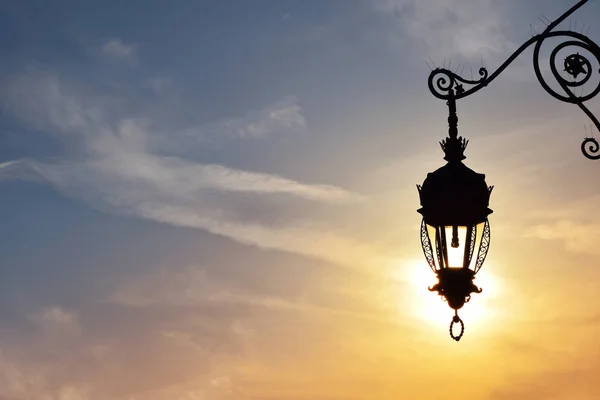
x=472 y=243
x=483 y=247
x=444 y=83
x=426 y=244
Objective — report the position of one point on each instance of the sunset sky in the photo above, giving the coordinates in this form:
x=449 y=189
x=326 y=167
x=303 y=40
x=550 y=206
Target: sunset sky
x=216 y=200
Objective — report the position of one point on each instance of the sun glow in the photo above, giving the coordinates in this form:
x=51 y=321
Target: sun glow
x=432 y=309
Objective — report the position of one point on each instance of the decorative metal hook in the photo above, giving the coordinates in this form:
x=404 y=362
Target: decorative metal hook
x=447 y=85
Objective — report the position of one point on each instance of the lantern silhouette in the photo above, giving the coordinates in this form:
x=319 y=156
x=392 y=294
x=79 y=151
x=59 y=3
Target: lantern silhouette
x=455 y=231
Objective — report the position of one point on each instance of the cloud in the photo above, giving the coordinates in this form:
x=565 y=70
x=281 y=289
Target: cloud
x=197 y=287
x=124 y=165
x=57 y=321
x=41 y=366
x=577 y=237
x=19 y=380
x=120 y=356
x=456 y=28
x=572 y=223
x=115 y=48
x=181 y=287
x=243 y=332
x=43 y=102
x=19 y=169
x=284 y=116
x=573 y=380
x=160 y=85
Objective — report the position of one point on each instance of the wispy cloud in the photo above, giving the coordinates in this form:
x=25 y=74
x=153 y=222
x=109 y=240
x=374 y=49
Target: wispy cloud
x=19 y=380
x=19 y=169
x=284 y=116
x=195 y=287
x=120 y=164
x=160 y=84
x=57 y=321
x=456 y=28
x=567 y=380
x=115 y=48
x=56 y=362
x=577 y=237
x=573 y=223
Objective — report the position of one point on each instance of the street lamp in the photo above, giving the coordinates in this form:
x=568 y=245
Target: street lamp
x=455 y=231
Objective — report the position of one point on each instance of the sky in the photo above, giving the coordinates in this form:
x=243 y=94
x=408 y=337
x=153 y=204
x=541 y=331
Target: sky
x=216 y=200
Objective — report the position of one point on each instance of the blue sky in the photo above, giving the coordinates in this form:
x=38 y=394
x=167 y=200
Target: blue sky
x=216 y=199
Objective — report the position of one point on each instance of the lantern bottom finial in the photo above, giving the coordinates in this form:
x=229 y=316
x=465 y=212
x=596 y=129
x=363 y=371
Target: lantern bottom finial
x=456 y=286
x=456 y=320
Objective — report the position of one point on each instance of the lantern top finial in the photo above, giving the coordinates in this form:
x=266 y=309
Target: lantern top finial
x=453 y=146
x=454 y=194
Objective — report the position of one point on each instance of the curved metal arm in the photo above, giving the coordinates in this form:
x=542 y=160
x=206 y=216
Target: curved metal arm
x=445 y=84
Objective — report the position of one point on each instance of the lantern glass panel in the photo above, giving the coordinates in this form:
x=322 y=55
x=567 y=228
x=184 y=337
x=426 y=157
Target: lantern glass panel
x=455 y=246
x=456 y=240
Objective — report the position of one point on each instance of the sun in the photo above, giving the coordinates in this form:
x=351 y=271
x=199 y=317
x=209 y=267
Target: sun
x=432 y=309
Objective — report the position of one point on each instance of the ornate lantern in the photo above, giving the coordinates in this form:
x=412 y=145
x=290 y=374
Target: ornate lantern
x=455 y=232
x=454 y=198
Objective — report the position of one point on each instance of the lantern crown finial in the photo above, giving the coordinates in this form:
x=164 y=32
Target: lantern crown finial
x=454 y=148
